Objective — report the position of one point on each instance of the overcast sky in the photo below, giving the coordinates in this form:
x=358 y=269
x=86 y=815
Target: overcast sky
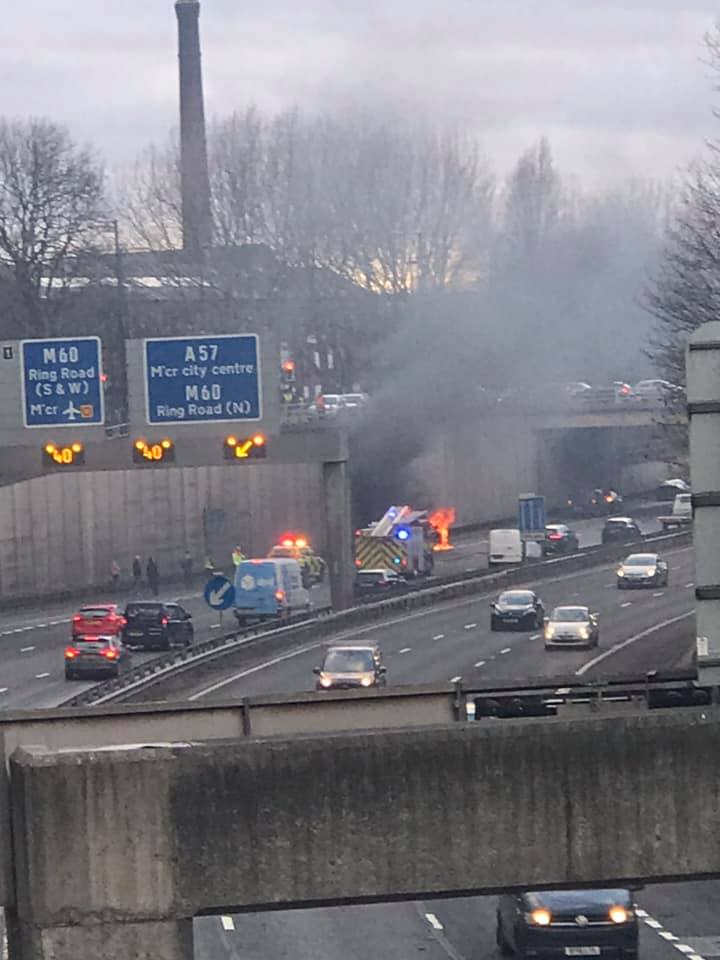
x=618 y=86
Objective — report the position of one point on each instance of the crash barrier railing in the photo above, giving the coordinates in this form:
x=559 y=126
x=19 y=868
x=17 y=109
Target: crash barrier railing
x=325 y=624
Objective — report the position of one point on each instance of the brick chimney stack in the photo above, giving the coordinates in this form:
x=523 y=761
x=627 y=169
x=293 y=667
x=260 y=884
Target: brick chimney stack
x=195 y=179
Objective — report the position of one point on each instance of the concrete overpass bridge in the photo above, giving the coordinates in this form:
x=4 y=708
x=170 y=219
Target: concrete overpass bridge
x=115 y=850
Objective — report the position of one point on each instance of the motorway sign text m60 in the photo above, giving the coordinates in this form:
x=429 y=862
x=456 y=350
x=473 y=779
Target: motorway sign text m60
x=202 y=379
x=61 y=381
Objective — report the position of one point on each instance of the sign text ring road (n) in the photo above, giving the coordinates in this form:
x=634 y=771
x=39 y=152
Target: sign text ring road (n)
x=61 y=382
x=212 y=379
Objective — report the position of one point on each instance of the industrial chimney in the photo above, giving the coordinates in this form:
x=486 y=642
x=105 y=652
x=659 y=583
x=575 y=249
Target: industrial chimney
x=195 y=179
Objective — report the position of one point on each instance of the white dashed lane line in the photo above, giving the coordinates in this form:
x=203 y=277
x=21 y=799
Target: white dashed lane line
x=455 y=679
x=480 y=663
x=536 y=636
x=405 y=650
x=659 y=594
x=506 y=650
x=689 y=586
x=628 y=603
x=228 y=923
x=3 y=689
x=668 y=936
x=26 y=649
x=433 y=921
x=41 y=676
x=440 y=636
x=470 y=626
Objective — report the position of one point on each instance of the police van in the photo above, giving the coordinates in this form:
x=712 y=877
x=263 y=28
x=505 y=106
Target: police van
x=269 y=588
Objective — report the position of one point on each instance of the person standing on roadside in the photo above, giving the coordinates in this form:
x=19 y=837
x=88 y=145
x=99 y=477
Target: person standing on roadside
x=115 y=574
x=186 y=565
x=153 y=576
x=137 y=571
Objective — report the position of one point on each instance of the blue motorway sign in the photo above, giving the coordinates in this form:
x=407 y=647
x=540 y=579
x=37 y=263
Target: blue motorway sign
x=531 y=514
x=202 y=379
x=62 y=382
x=219 y=593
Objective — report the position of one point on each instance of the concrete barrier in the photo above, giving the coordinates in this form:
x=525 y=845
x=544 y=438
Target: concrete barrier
x=123 y=847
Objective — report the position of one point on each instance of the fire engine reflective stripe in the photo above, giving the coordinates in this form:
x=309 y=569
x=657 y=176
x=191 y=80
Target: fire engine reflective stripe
x=375 y=553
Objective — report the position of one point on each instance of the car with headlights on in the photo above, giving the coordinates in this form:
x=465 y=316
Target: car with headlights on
x=349 y=666
x=568 y=923
x=517 y=609
x=643 y=570
x=571 y=626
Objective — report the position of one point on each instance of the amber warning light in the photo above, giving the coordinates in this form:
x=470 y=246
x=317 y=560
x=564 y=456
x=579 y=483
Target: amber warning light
x=153 y=451
x=246 y=448
x=67 y=455
x=441 y=520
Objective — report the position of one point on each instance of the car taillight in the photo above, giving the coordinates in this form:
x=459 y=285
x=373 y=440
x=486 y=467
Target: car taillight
x=77 y=618
x=110 y=653
x=280 y=595
x=554 y=536
x=164 y=621
x=71 y=653
x=358 y=563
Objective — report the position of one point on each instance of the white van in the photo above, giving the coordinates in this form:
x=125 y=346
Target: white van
x=505 y=546
x=268 y=588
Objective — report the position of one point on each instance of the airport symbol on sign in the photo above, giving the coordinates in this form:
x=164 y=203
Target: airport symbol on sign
x=213 y=379
x=219 y=593
x=61 y=382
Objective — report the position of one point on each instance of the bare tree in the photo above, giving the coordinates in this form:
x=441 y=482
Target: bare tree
x=51 y=201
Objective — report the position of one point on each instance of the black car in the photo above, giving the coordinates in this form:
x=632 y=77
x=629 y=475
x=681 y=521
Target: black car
x=620 y=530
x=595 y=503
x=157 y=626
x=568 y=923
x=347 y=666
x=376 y=583
x=95 y=656
x=559 y=538
x=517 y=609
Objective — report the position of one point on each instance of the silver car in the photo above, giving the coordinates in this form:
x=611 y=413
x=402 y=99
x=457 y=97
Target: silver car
x=571 y=627
x=642 y=570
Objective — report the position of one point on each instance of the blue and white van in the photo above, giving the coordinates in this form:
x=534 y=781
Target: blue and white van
x=271 y=587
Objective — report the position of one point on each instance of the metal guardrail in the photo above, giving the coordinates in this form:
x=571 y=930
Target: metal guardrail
x=327 y=624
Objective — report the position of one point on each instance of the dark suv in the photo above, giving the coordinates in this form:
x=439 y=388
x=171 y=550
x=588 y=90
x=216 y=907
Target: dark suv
x=620 y=530
x=157 y=626
x=568 y=923
x=351 y=665
x=559 y=538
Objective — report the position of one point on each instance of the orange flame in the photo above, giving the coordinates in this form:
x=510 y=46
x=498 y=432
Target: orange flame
x=441 y=520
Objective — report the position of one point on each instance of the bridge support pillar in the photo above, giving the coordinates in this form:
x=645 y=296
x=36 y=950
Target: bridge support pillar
x=336 y=488
x=152 y=940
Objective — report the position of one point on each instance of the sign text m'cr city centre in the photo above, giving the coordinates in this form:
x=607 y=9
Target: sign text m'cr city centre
x=212 y=379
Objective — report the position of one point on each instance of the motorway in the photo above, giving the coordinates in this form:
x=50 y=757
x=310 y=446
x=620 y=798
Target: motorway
x=436 y=645
x=32 y=641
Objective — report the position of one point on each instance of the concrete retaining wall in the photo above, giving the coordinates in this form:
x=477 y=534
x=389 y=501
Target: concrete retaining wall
x=62 y=532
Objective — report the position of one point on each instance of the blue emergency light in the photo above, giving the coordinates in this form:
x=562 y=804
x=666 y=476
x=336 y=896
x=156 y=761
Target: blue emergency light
x=402 y=533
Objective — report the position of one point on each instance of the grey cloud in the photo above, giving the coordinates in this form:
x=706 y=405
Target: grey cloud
x=610 y=82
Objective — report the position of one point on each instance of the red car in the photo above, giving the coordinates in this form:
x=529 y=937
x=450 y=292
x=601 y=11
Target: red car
x=100 y=619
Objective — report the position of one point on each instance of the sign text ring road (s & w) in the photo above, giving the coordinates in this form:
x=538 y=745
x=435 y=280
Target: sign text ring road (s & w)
x=61 y=382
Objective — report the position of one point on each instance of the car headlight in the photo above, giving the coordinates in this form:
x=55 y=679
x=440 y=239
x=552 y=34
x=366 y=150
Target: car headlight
x=540 y=917
x=621 y=572
x=366 y=680
x=585 y=633
x=325 y=681
x=619 y=914
x=549 y=633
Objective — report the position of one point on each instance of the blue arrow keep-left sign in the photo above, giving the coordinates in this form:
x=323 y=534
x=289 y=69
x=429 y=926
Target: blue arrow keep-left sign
x=219 y=593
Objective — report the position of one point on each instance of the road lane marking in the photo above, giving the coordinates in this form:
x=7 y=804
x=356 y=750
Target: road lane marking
x=689 y=586
x=405 y=650
x=470 y=626
x=626 y=643
x=26 y=649
x=609 y=586
x=506 y=650
x=440 y=636
x=628 y=603
x=674 y=941
x=536 y=636
x=433 y=921
x=455 y=679
x=480 y=663
x=3 y=689
x=41 y=676
x=660 y=593
x=228 y=923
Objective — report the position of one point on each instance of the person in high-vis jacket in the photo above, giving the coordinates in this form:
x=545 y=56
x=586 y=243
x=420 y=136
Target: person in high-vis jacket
x=237 y=556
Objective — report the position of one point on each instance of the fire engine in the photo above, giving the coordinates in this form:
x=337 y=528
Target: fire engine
x=402 y=540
